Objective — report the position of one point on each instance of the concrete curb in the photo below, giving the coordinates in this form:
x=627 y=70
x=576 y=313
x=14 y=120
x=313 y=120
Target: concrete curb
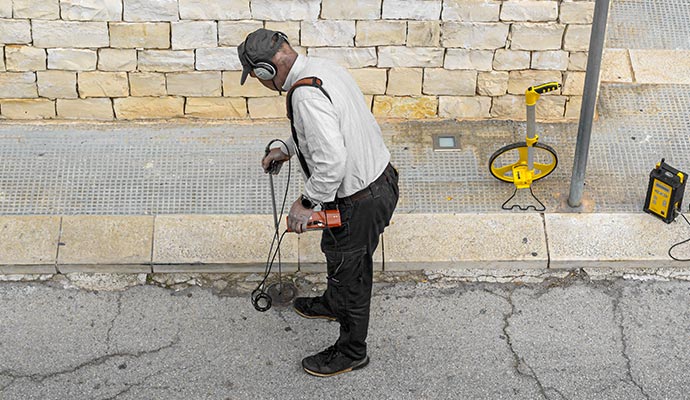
x=240 y=243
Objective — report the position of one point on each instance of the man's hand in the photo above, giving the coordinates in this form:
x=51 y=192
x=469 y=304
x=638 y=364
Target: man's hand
x=272 y=161
x=298 y=216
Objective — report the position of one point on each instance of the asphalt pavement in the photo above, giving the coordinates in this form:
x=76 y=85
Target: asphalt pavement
x=567 y=336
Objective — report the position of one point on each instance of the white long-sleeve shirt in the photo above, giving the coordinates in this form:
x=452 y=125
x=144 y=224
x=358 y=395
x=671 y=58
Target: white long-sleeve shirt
x=340 y=141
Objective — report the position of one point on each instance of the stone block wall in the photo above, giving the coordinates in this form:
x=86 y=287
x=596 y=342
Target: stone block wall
x=142 y=59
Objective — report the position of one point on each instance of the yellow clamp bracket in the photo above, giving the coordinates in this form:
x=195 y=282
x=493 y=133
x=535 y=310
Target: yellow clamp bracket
x=522 y=177
x=681 y=176
x=532 y=93
x=531 y=141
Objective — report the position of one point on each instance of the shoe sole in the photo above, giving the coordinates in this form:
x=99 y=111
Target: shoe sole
x=358 y=366
x=313 y=316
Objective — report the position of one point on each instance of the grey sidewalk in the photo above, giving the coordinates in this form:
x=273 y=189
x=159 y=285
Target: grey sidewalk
x=430 y=338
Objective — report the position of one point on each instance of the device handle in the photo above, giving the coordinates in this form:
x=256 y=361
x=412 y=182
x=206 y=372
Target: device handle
x=532 y=93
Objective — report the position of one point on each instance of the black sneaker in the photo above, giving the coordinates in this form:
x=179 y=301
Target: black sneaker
x=332 y=362
x=312 y=307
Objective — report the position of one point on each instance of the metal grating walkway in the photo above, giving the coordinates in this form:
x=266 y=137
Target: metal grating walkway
x=139 y=169
x=649 y=24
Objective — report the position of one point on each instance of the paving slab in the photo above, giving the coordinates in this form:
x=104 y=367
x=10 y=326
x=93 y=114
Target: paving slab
x=608 y=240
x=236 y=242
x=105 y=240
x=661 y=66
x=28 y=242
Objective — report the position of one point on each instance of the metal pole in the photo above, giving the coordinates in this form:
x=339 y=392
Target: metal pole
x=589 y=99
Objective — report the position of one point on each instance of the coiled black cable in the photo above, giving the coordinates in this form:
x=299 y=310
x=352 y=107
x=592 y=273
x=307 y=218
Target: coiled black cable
x=678 y=244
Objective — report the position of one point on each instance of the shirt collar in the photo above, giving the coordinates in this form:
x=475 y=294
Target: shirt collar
x=295 y=72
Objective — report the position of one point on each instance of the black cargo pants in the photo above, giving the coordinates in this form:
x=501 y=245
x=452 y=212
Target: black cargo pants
x=349 y=253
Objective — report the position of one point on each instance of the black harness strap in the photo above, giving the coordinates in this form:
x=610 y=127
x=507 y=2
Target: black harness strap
x=309 y=81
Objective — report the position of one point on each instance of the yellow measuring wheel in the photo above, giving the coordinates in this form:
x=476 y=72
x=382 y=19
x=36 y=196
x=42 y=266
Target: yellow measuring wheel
x=525 y=162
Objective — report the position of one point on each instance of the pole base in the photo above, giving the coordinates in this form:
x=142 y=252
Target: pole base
x=282 y=293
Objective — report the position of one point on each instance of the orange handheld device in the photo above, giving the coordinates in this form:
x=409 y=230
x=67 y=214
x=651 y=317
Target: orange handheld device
x=322 y=219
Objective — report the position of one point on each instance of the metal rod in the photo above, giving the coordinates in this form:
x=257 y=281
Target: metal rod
x=589 y=99
x=276 y=232
x=531 y=133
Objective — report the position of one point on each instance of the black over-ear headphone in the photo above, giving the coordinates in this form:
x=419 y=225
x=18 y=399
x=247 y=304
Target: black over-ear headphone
x=265 y=69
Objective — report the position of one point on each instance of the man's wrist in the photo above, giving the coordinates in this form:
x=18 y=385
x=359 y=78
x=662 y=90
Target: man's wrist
x=307 y=202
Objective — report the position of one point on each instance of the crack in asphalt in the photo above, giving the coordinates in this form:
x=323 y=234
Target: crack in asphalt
x=112 y=323
x=91 y=363
x=131 y=386
x=618 y=318
x=517 y=360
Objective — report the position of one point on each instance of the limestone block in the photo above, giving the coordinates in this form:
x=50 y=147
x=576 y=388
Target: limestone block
x=166 y=60
x=423 y=33
x=551 y=107
x=405 y=107
x=348 y=57
x=574 y=83
x=140 y=35
x=147 y=84
x=494 y=83
x=327 y=33
x=266 y=107
x=117 y=59
x=351 y=9
x=544 y=36
x=203 y=84
x=28 y=240
x=28 y=109
x=36 y=9
x=615 y=66
x=480 y=60
x=464 y=107
x=194 y=34
x=509 y=60
x=554 y=59
x=471 y=10
x=519 y=81
x=214 y=9
x=25 y=58
x=218 y=58
x=295 y=10
x=532 y=11
x=102 y=84
x=576 y=38
x=106 y=240
x=412 y=9
x=149 y=107
x=405 y=81
x=455 y=83
x=6 y=9
x=508 y=107
x=370 y=80
x=57 y=84
x=216 y=108
x=399 y=56
x=577 y=12
x=2 y=59
x=94 y=108
x=91 y=10
x=70 y=34
x=147 y=10
x=480 y=36
x=232 y=33
x=661 y=66
x=217 y=239
x=15 y=85
x=572 y=107
x=578 y=61
x=15 y=31
x=289 y=28
x=72 y=59
x=380 y=33
x=251 y=88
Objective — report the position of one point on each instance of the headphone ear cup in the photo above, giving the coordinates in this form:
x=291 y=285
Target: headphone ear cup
x=264 y=70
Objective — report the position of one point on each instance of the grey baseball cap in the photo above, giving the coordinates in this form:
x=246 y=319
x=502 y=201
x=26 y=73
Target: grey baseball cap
x=262 y=44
